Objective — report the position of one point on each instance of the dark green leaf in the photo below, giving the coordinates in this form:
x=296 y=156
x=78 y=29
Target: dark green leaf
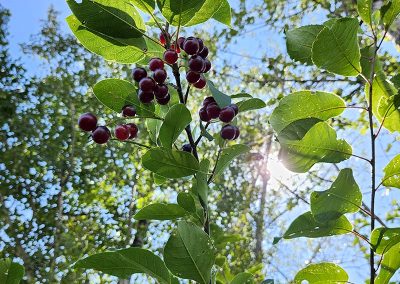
x=125 y=262
x=186 y=201
x=250 y=104
x=382 y=239
x=160 y=211
x=10 y=272
x=336 y=48
x=306 y=226
x=392 y=173
x=367 y=53
x=228 y=155
x=343 y=197
x=200 y=185
x=221 y=99
x=175 y=121
x=189 y=253
x=390 y=264
x=322 y=273
x=153 y=127
x=170 y=163
x=299 y=42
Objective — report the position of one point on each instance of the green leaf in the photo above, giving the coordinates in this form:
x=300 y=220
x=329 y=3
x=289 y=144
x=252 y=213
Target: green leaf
x=186 y=201
x=383 y=90
x=160 y=211
x=159 y=179
x=228 y=155
x=250 y=104
x=319 y=145
x=153 y=127
x=125 y=51
x=175 y=121
x=200 y=186
x=322 y=273
x=189 y=253
x=242 y=278
x=336 y=48
x=382 y=239
x=299 y=42
x=117 y=19
x=224 y=13
x=305 y=104
x=221 y=99
x=117 y=93
x=306 y=226
x=125 y=262
x=344 y=196
x=389 y=12
x=367 y=54
x=221 y=238
x=390 y=264
x=189 y=13
x=392 y=173
x=10 y=272
x=364 y=8
x=170 y=163
x=146 y=6
x=396 y=81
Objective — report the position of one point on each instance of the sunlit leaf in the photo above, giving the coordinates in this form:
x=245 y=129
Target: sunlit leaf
x=364 y=8
x=160 y=211
x=389 y=265
x=389 y=12
x=382 y=239
x=322 y=273
x=227 y=156
x=242 y=278
x=251 y=104
x=392 y=173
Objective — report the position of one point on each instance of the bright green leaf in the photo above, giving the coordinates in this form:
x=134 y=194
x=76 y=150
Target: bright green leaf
x=336 y=48
x=170 y=163
x=367 y=54
x=200 y=185
x=221 y=99
x=189 y=253
x=382 y=239
x=10 y=272
x=364 y=8
x=389 y=265
x=392 y=173
x=227 y=156
x=250 y=104
x=160 y=211
x=175 y=121
x=117 y=93
x=153 y=127
x=146 y=6
x=306 y=226
x=389 y=12
x=319 y=145
x=125 y=262
x=344 y=196
x=305 y=104
x=224 y=13
x=299 y=42
x=242 y=278
x=322 y=273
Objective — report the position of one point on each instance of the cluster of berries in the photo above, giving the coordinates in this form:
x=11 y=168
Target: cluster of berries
x=150 y=87
x=101 y=134
x=211 y=110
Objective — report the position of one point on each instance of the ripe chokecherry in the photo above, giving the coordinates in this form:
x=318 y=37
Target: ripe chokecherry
x=204 y=52
x=191 y=46
x=164 y=101
x=207 y=66
x=156 y=63
x=237 y=133
x=192 y=77
x=170 y=56
x=147 y=85
x=208 y=100
x=87 y=122
x=228 y=132
x=138 y=74
x=196 y=63
x=160 y=75
x=145 y=97
x=201 y=83
x=180 y=41
x=204 y=115
x=213 y=110
x=161 y=91
x=163 y=41
x=101 y=135
x=187 y=148
x=235 y=108
x=201 y=43
x=122 y=132
x=128 y=111
x=226 y=114
x=133 y=130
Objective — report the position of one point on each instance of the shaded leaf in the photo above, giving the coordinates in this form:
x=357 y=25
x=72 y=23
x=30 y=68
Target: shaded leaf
x=228 y=155
x=175 y=121
x=10 y=272
x=242 y=278
x=250 y=104
x=322 y=273
x=160 y=211
x=186 y=201
x=221 y=99
x=200 y=185
x=382 y=239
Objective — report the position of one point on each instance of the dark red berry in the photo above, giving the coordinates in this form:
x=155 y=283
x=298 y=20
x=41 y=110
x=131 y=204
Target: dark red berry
x=226 y=114
x=101 y=135
x=204 y=52
x=170 y=56
x=122 y=132
x=208 y=100
x=138 y=74
x=187 y=148
x=213 y=110
x=161 y=91
x=147 y=85
x=133 y=130
x=192 y=77
x=180 y=42
x=163 y=41
x=160 y=75
x=128 y=111
x=201 y=83
x=196 y=63
x=191 y=46
x=228 y=132
x=156 y=63
x=203 y=115
x=145 y=97
x=207 y=66
x=201 y=43
x=235 y=108
x=164 y=101
x=87 y=121
x=237 y=133
x=176 y=48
